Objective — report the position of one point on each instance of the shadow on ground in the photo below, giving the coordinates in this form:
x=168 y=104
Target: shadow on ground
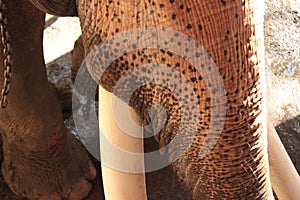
x=289 y=132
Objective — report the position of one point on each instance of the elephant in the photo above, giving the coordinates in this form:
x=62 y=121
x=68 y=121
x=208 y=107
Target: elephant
x=40 y=161
x=219 y=120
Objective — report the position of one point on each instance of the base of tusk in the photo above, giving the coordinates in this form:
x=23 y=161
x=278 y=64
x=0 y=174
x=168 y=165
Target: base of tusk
x=284 y=177
x=119 y=184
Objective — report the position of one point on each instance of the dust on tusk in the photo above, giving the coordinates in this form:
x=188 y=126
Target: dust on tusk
x=284 y=177
x=119 y=184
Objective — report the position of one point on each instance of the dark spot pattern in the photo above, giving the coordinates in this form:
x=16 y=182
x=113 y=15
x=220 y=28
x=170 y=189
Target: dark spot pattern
x=226 y=29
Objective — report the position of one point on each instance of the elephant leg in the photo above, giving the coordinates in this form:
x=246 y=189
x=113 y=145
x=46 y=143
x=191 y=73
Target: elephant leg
x=42 y=160
x=77 y=57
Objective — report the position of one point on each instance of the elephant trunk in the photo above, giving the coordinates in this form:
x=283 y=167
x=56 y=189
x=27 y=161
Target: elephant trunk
x=204 y=64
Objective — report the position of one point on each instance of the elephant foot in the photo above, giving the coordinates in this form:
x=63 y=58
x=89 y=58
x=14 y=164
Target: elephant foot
x=59 y=169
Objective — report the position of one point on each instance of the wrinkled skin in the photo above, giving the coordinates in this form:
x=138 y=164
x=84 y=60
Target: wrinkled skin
x=231 y=32
x=41 y=159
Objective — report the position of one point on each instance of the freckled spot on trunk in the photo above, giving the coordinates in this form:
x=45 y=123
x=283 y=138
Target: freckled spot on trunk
x=200 y=27
x=189 y=26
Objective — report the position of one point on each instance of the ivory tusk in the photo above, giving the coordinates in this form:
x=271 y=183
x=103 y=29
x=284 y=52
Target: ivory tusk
x=119 y=184
x=284 y=177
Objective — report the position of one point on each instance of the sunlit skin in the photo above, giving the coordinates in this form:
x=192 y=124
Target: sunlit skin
x=230 y=31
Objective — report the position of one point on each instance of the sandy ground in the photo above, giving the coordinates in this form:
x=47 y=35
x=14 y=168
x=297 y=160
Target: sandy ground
x=282 y=41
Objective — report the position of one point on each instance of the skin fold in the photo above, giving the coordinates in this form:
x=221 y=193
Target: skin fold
x=230 y=31
x=57 y=7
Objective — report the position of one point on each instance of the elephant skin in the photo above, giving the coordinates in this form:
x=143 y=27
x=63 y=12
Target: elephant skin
x=231 y=32
x=57 y=7
x=41 y=159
